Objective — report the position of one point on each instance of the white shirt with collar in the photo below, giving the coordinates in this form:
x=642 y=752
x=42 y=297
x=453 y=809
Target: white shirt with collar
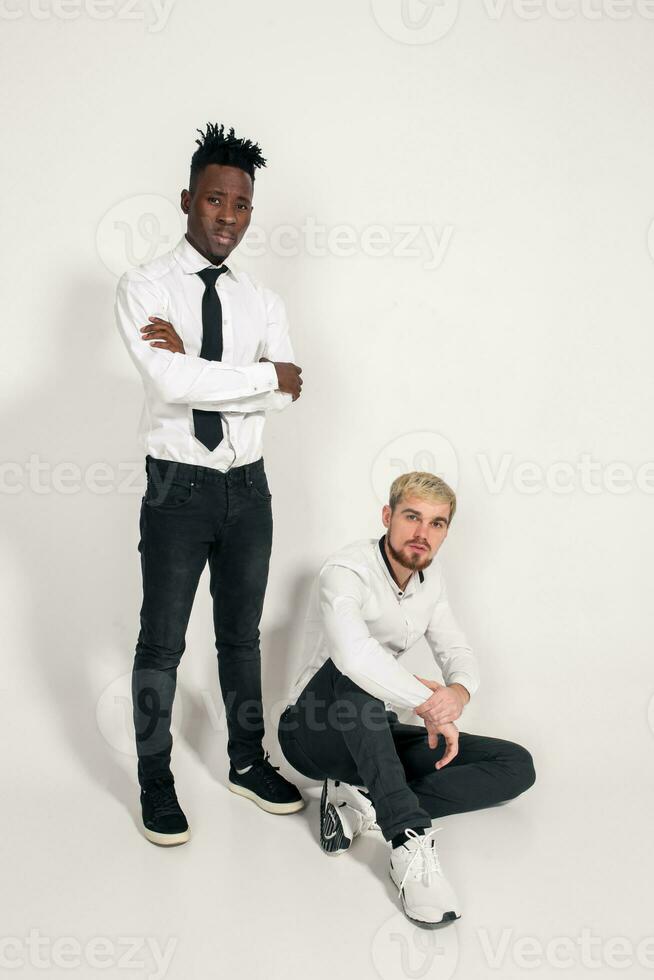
x=361 y=618
x=241 y=389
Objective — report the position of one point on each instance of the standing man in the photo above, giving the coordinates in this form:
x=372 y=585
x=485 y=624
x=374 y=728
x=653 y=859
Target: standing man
x=374 y=600
x=213 y=350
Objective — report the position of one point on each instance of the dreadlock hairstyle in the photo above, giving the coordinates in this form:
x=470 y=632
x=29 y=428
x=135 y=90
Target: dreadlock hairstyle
x=216 y=146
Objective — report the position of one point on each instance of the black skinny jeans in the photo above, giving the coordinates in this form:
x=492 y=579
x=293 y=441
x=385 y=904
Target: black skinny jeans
x=336 y=730
x=191 y=515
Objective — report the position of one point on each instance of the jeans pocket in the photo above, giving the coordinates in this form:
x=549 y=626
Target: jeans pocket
x=162 y=494
x=259 y=484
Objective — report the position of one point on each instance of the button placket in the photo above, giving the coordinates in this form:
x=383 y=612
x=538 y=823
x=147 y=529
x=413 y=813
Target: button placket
x=228 y=335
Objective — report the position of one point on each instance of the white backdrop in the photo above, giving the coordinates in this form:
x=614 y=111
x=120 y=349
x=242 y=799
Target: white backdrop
x=458 y=213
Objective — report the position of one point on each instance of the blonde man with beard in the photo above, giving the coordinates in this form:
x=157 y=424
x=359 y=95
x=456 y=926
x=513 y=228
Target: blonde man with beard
x=373 y=601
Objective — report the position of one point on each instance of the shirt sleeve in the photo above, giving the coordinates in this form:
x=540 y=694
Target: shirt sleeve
x=342 y=595
x=278 y=348
x=181 y=378
x=450 y=647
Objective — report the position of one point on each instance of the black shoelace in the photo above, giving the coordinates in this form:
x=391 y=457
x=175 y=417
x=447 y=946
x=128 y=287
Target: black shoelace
x=268 y=771
x=164 y=800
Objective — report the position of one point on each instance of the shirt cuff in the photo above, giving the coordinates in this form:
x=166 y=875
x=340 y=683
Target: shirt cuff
x=465 y=679
x=263 y=376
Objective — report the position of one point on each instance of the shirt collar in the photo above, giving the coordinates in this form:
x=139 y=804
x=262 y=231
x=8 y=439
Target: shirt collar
x=191 y=261
x=382 y=550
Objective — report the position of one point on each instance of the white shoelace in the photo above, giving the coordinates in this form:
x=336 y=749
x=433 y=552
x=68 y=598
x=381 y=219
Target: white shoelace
x=428 y=863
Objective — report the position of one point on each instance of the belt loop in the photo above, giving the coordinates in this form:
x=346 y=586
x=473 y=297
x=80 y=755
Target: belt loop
x=247 y=474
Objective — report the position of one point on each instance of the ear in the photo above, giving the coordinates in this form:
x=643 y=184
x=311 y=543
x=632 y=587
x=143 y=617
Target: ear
x=185 y=201
x=386 y=515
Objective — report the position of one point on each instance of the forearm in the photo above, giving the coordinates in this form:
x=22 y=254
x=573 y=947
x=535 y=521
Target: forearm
x=205 y=384
x=358 y=654
x=270 y=401
x=377 y=671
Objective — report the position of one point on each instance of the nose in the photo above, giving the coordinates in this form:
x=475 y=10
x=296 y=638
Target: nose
x=421 y=541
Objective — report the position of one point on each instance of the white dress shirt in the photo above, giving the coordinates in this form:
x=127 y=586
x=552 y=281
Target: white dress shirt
x=242 y=390
x=361 y=618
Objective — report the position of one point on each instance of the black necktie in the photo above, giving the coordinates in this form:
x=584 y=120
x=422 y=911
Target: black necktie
x=208 y=426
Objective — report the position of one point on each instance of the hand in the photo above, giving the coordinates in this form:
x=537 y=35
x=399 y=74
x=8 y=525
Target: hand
x=445 y=705
x=163 y=335
x=288 y=377
x=451 y=735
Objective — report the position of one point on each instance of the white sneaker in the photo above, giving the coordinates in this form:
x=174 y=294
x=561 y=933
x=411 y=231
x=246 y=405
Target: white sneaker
x=345 y=813
x=426 y=894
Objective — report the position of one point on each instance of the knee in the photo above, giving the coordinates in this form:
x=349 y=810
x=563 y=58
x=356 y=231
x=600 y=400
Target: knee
x=156 y=656
x=356 y=707
x=522 y=765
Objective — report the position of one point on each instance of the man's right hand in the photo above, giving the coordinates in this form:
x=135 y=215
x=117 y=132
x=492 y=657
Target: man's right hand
x=288 y=377
x=451 y=735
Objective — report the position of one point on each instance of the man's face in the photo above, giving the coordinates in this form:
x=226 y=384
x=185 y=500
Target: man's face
x=219 y=210
x=416 y=530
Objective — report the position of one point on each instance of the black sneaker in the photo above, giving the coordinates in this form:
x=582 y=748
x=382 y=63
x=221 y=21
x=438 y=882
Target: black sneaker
x=164 y=822
x=263 y=784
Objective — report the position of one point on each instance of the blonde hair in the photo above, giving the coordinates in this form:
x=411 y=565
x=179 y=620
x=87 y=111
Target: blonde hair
x=427 y=486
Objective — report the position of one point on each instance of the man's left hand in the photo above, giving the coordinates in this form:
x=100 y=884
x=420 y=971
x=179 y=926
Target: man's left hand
x=445 y=704
x=162 y=334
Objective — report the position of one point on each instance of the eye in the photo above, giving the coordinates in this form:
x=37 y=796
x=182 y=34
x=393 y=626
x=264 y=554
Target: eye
x=243 y=207
x=212 y=199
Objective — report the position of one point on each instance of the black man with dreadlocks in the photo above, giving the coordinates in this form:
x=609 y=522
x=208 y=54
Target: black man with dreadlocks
x=212 y=347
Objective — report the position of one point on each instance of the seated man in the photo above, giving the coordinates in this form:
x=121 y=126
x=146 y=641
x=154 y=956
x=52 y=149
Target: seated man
x=373 y=601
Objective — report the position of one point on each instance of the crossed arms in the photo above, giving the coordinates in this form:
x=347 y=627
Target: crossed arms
x=177 y=377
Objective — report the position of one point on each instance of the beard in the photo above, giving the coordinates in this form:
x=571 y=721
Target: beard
x=415 y=561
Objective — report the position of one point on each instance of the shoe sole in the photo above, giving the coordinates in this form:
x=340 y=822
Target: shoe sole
x=167 y=840
x=333 y=839
x=427 y=923
x=265 y=804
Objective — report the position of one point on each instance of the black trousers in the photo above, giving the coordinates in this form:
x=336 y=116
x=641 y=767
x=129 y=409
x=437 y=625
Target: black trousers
x=337 y=730
x=191 y=515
